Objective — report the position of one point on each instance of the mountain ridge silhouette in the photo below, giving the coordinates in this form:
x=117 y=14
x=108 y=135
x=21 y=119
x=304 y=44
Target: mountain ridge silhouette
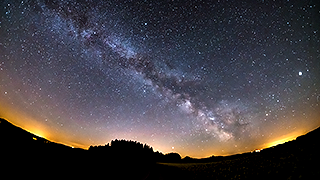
x=29 y=153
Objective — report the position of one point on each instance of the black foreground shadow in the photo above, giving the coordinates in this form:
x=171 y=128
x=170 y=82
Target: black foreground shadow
x=24 y=155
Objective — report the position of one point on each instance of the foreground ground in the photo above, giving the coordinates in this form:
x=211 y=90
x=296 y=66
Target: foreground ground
x=290 y=167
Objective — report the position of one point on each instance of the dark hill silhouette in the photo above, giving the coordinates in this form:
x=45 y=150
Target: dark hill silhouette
x=13 y=137
x=25 y=153
x=35 y=156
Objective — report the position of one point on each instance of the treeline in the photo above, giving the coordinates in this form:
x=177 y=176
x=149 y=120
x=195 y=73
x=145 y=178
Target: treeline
x=126 y=151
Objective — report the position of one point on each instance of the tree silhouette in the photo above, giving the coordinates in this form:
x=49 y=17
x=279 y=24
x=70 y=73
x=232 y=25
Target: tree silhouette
x=172 y=157
x=119 y=151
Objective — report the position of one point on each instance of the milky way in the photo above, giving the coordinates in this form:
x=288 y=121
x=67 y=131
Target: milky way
x=196 y=77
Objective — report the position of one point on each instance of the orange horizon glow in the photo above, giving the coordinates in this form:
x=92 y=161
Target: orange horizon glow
x=282 y=140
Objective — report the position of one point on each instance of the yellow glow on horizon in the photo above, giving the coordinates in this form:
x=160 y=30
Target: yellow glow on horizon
x=38 y=133
x=281 y=141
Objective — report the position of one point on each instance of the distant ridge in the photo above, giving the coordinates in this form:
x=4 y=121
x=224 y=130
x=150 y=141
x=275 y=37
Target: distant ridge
x=306 y=143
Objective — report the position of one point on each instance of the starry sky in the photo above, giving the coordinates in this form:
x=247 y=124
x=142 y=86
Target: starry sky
x=194 y=77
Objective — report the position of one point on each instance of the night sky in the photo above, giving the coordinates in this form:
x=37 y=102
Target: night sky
x=194 y=77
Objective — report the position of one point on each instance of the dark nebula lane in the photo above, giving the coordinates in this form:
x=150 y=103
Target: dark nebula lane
x=195 y=77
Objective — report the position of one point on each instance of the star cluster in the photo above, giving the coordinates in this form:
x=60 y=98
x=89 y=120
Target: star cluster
x=202 y=77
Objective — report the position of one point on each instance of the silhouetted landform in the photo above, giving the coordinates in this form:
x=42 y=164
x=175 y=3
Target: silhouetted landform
x=14 y=138
x=25 y=154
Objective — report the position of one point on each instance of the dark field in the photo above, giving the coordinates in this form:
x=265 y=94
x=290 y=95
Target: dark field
x=288 y=167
